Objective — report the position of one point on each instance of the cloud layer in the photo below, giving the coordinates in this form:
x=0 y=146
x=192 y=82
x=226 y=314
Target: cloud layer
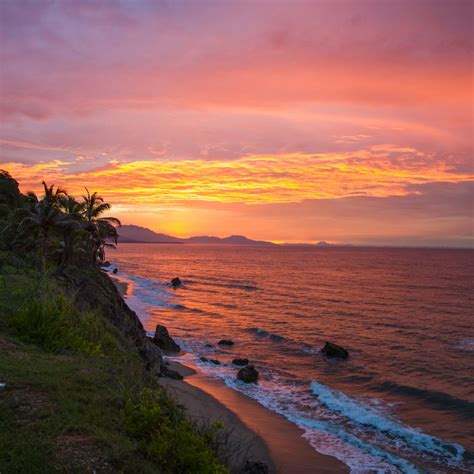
x=198 y=116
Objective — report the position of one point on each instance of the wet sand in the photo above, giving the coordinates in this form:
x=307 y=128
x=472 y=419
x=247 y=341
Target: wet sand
x=257 y=433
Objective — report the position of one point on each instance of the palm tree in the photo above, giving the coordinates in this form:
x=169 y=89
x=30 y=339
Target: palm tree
x=42 y=215
x=102 y=230
x=70 y=222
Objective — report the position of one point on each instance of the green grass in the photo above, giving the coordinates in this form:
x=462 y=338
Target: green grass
x=53 y=322
x=75 y=401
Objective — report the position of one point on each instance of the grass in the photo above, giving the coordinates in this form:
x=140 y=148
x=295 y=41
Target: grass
x=75 y=401
x=54 y=323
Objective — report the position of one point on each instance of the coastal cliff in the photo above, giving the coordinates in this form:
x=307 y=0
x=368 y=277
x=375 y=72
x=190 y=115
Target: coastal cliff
x=79 y=385
x=94 y=289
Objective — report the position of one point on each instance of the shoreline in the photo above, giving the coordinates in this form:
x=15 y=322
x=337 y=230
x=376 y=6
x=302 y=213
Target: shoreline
x=255 y=433
x=265 y=436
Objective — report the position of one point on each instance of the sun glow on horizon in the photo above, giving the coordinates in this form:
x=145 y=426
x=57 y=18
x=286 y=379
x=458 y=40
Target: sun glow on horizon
x=281 y=130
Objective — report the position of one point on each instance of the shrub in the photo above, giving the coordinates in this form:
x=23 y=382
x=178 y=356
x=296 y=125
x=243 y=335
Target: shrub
x=53 y=322
x=167 y=438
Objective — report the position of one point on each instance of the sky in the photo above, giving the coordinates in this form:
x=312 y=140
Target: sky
x=290 y=121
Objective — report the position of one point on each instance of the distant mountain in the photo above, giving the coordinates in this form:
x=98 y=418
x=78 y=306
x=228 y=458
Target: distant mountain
x=137 y=234
x=323 y=243
x=233 y=240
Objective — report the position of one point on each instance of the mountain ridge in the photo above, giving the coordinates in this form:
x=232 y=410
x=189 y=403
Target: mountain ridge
x=129 y=233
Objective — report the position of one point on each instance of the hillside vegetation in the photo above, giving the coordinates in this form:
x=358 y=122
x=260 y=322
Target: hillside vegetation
x=80 y=377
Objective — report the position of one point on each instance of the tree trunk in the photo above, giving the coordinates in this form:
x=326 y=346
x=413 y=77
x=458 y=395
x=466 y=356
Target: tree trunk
x=44 y=247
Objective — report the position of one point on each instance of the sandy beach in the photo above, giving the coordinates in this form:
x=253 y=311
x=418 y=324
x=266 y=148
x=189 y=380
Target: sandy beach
x=252 y=432
x=257 y=433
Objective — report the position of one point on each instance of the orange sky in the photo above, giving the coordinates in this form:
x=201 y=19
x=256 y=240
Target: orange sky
x=348 y=121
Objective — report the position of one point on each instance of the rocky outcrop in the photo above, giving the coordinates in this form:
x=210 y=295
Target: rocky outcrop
x=248 y=374
x=255 y=467
x=152 y=355
x=175 y=282
x=226 y=342
x=240 y=361
x=333 y=350
x=164 y=341
x=170 y=373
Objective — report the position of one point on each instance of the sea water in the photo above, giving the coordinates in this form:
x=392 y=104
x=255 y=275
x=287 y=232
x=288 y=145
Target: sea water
x=402 y=402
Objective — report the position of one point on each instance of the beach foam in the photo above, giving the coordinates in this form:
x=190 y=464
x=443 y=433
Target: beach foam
x=366 y=415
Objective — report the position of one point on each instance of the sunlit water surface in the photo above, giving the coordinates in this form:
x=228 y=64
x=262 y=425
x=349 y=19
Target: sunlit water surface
x=402 y=402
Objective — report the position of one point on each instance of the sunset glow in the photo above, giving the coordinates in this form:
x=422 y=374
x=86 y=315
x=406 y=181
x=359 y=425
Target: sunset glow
x=236 y=117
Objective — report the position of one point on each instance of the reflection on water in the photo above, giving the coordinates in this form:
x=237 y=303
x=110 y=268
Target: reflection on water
x=403 y=400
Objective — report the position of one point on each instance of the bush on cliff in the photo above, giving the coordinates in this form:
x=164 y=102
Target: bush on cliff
x=54 y=323
x=166 y=436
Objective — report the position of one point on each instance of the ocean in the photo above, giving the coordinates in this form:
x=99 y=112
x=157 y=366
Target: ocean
x=402 y=402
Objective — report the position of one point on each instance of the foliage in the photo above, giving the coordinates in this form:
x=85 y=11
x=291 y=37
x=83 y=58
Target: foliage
x=76 y=399
x=55 y=228
x=168 y=438
x=54 y=323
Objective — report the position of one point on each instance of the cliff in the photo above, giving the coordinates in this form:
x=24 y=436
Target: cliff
x=93 y=289
x=79 y=387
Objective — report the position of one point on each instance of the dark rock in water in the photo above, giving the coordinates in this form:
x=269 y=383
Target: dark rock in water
x=226 y=342
x=163 y=340
x=248 y=374
x=333 y=350
x=213 y=361
x=114 y=271
x=170 y=373
x=239 y=361
x=255 y=467
x=175 y=282
x=209 y=345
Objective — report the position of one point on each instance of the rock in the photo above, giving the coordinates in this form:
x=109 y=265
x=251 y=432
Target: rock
x=239 y=361
x=170 y=373
x=152 y=355
x=209 y=345
x=226 y=342
x=115 y=270
x=164 y=341
x=248 y=374
x=213 y=361
x=255 y=467
x=175 y=282
x=333 y=350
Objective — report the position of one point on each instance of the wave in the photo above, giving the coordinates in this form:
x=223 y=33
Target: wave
x=326 y=437
x=366 y=415
x=440 y=399
x=467 y=345
x=221 y=283
x=238 y=286
x=262 y=333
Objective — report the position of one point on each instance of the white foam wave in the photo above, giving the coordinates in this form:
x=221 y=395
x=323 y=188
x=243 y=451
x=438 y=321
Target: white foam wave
x=467 y=344
x=366 y=415
x=325 y=437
